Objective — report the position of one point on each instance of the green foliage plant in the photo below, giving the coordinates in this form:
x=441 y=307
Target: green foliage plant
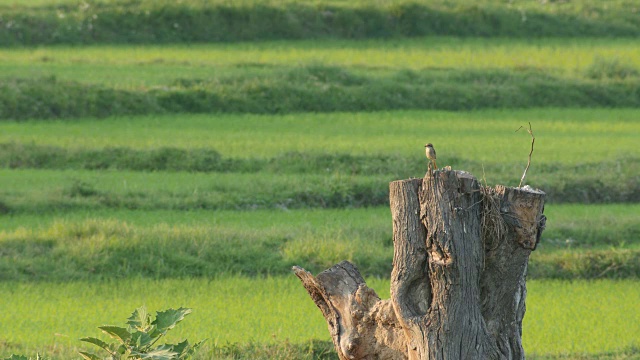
x=138 y=340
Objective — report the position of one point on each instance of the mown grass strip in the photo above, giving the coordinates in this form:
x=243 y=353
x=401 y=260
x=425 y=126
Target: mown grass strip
x=318 y=89
x=197 y=21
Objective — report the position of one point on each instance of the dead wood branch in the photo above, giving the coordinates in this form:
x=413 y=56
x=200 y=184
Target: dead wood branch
x=533 y=140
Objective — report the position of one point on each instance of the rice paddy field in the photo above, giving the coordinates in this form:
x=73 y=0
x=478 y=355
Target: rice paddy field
x=148 y=170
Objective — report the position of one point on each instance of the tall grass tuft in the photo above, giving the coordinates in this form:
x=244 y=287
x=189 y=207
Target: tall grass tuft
x=613 y=69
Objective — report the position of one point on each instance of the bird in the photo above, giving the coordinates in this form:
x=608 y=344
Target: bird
x=431 y=154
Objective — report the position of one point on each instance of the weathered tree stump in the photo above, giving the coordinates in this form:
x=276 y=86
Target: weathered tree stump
x=458 y=280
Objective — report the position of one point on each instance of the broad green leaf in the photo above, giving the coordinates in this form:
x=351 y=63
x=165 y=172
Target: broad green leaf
x=98 y=342
x=166 y=320
x=193 y=350
x=141 y=339
x=89 y=356
x=121 y=334
x=181 y=348
x=139 y=319
x=186 y=350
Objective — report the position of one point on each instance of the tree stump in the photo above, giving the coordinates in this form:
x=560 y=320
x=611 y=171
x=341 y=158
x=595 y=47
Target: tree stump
x=458 y=280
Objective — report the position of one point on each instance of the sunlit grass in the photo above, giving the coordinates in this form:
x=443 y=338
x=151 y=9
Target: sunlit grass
x=331 y=222
x=40 y=191
x=562 y=135
x=339 y=224
x=152 y=65
x=261 y=220
x=225 y=310
x=157 y=244
x=573 y=225
x=581 y=316
x=562 y=317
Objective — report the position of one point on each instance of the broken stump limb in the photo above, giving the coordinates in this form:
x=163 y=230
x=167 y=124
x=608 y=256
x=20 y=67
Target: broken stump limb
x=458 y=281
x=361 y=325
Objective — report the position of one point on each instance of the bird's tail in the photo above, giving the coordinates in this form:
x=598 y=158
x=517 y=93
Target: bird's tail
x=434 y=164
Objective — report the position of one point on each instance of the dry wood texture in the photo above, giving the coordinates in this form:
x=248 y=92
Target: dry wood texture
x=458 y=280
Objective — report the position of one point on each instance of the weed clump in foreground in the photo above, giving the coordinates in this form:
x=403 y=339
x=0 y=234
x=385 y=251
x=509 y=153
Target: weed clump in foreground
x=138 y=339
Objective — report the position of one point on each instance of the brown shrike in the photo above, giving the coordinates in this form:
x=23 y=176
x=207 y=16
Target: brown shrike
x=431 y=154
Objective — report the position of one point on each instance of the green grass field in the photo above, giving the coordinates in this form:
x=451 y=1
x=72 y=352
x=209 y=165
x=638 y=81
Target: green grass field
x=87 y=22
x=81 y=232
x=149 y=158
x=276 y=77
x=563 y=135
x=272 y=310
x=317 y=76
x=580 y=242
x=588 y=225
x=135 y=67
x=331 y=156
x=68 y=227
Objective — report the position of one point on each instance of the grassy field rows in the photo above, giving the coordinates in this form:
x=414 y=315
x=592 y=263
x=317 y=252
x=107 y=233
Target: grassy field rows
x=560 y=315
x=282 y=162
x=87 y=238
x=34 y=191
x=302 y=160
x=141 y=67
x=589 y=225
x=72 y=22
x=580 y=242
x=320 y=76
x=325 y=89
x=563 y=135
x=188 y=153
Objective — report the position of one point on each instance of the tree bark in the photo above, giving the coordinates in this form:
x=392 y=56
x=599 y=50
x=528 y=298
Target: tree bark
x=361 y=325
x=458 y=280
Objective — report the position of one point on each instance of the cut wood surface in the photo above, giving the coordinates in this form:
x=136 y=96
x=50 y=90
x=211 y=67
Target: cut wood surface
x=458 y=281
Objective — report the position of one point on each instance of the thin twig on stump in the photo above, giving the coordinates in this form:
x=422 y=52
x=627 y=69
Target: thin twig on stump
x=533 y=140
